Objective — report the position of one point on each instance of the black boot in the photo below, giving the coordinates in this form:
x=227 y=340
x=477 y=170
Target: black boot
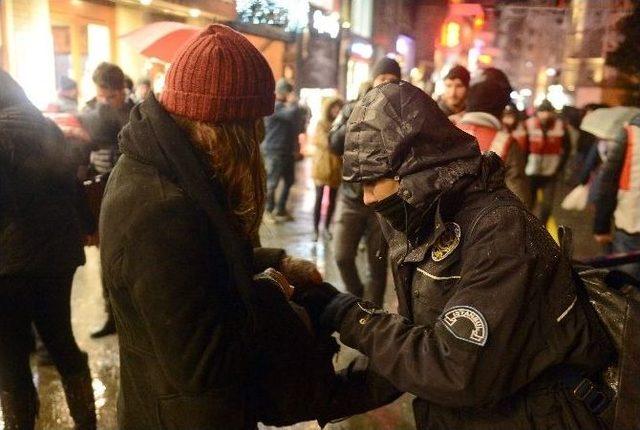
x=79 y=394
x=19 y=410
x=107 y=329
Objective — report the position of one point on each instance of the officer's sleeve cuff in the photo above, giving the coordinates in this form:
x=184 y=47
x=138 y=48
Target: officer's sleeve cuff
x=336 y=310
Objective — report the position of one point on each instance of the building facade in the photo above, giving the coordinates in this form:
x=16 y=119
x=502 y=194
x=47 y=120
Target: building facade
x=566 y=62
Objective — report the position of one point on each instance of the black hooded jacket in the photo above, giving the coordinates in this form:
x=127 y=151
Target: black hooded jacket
x=39 y=224
x=488 y=310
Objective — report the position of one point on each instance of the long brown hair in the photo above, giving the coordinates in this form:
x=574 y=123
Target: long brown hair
x=232 y=149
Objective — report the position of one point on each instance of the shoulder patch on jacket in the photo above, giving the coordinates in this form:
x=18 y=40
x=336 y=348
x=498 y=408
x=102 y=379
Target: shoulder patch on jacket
x=466 y=323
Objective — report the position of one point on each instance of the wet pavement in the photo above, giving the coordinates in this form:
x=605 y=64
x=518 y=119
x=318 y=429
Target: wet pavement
x=297 y=238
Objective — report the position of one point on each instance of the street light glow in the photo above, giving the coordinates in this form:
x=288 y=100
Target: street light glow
x=194 y=13
x=146 y=2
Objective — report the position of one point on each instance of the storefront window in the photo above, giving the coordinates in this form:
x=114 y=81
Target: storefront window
x=98 y=50
x=362 y=17
x=62 y=52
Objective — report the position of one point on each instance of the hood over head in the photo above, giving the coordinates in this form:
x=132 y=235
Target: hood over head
x=398 y=131
x=327 y=105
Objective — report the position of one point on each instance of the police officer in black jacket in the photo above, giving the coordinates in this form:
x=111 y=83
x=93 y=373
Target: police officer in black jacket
x=492 y=332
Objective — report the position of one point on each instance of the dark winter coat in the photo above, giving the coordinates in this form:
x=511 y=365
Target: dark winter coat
x=179 y=281
x=281 y=131
x=39 y=224
x=490 y=317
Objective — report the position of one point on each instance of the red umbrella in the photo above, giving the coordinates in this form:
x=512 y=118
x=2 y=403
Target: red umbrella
x=161 y=39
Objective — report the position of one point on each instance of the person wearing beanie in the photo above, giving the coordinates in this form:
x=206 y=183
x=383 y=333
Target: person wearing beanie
x=201 y=341
x=280 y=149
x=385 y=70
x=456 y=84
x=549 y=147
x=512 y=122
x=488 y=95
x=492 y=331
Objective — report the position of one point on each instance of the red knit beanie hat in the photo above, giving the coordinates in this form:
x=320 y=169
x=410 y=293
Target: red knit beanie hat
x=217 y=77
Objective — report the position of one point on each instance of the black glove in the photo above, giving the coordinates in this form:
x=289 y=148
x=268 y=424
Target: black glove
x=324 y=304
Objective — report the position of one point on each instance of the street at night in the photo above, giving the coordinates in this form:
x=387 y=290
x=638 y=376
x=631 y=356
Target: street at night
x=319 y=214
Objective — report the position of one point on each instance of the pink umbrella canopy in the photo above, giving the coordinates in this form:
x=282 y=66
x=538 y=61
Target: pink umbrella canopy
x=161 y=39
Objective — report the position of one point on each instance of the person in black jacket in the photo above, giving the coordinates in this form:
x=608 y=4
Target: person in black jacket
x=40 y=249
x=280 y=148
x=492 y=330
x=179 y=219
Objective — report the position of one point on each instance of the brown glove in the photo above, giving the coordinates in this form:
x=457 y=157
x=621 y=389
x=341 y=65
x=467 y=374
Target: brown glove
x=300 y=272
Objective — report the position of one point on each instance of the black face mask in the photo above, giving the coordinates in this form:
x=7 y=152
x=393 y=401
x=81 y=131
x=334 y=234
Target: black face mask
x=401 y=215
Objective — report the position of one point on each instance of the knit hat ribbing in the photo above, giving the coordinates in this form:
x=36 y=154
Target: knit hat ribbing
x=219 y=76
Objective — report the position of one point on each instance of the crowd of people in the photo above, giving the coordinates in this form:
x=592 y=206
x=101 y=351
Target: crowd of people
x=452 y=195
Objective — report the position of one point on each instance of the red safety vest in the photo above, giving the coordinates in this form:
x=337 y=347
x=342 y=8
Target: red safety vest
x=520 y=136
x=627 y=213
x=545 y=151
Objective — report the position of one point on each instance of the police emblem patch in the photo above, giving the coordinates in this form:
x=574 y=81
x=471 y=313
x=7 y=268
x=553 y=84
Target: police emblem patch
x=447 y=242
x=466 y=323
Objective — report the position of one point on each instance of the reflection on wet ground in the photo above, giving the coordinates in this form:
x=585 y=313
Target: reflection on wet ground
x=296 y=238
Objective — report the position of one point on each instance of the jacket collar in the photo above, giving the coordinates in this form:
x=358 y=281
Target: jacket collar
x=417 y=254
x=460 y=196
x=483 y=119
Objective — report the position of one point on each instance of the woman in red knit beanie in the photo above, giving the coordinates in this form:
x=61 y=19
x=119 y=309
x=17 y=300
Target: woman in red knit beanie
x=180 y=212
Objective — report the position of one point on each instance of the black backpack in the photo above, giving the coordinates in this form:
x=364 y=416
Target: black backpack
x=615 y=297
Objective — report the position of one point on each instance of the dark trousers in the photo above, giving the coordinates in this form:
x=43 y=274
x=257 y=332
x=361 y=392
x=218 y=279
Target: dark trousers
x=279 y=167
x=542 y=209
x=333 y=194
x=624 y=242
x=354 y=221
x=45 y=302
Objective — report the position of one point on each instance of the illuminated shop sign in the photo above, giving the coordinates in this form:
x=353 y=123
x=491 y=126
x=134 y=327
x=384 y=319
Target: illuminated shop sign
x=326 y=23
x=364 y=50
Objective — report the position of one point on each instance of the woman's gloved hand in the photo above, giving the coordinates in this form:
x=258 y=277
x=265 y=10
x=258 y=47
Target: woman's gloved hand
x=277 y=278
x=300 y=272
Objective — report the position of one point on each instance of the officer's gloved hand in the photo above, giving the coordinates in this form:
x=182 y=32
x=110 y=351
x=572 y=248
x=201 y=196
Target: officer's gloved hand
x=325 y=305
x=102 y=160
